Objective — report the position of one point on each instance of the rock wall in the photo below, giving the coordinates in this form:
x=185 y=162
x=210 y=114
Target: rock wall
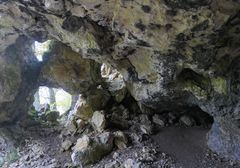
x=66 y=69
x=18 y=80
x=172 y=54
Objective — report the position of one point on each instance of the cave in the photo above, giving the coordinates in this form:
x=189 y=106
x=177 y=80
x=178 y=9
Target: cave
x=119 y=84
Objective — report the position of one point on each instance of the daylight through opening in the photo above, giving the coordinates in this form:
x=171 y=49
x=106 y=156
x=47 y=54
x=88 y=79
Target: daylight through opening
x=40 y=49
x=52 y=99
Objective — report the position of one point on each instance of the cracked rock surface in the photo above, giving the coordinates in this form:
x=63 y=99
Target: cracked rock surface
x=172 y=55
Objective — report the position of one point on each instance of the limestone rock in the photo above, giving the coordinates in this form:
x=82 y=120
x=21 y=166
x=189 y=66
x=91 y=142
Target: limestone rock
x=120 y=140
x=171 y=54
x=117 y=89
x=55 y=6
x=158 y=120
x=98 y=98
x=145 y=124
x=68 y=70
x=80 y=124
x=223 y=138
x=66 y=145
x=144 y=119
x=19 y=73
x=82 y=110
x=82 y=143
x=98 y=120
x=187 y=120
x=95 y=99
x=146 y=129
x=90 y=150
x=10 y=80
x=70 y=127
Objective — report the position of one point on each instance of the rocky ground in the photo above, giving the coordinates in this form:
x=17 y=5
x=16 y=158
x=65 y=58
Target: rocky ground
x=106 y=129
x=168 y=147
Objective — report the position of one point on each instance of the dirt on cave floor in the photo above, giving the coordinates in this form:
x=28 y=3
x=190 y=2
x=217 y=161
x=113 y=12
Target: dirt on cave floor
x=173 y=147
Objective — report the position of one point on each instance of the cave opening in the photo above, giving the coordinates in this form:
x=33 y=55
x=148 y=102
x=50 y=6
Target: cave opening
x=188 y=117
x=119 y=84
x=52 y=99
x=41 y=48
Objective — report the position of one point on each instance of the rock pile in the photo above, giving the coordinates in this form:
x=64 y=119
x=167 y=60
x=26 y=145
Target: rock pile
x=88 y=134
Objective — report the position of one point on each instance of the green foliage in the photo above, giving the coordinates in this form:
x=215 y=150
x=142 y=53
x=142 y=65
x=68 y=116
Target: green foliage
x=66 y=103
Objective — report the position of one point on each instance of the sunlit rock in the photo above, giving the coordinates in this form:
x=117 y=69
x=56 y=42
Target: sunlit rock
x=98 y=120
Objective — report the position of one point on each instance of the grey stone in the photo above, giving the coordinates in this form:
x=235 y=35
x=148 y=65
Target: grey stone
x=157 y=119
x=120 y=140
x=98 y=121
x=187 y=120
x=66 y=145
x=174 y=64
x=90 y=150
x=224 y=138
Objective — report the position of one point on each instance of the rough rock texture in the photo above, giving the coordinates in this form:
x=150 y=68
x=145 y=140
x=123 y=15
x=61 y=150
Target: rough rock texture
x=172 y=54
x=18 y=79
x=224 y=138
x=89 y=150
x=68 y=70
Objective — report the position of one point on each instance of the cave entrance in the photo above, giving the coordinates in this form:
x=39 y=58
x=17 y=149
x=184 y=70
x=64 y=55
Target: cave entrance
x=52 y=99
x=184 y=117
x=40 y=49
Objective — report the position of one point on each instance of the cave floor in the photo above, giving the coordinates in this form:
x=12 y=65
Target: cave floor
x=188 y=148
x=175 y=148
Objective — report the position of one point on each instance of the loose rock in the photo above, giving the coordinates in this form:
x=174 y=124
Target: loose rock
x=158 y=120
x=120 y=140
x=98 y=121
x=66 y=145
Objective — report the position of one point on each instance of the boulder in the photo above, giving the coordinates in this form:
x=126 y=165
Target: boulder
x=158 y=120
x=98 y=98
x=82 y=143
x=118 y=89
x=80 y=124
x=145 y=124
x=90 y=150
x=70 y=127
x=224 y=138
x=120 y=140
x=146 y=129
x=68 y=70
x=82 y=110
x=94 y=100
x=66 y=145
x=98 y=121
